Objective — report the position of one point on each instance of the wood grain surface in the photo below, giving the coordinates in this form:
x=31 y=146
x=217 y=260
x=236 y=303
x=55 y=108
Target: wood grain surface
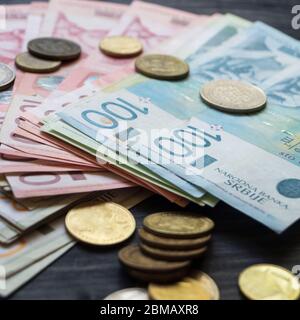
x=238 y=241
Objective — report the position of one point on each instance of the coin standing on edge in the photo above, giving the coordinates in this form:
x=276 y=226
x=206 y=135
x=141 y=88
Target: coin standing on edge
x=269 y=282
x=175 y=224
x=28 y=63
x=196 y=285
x=54 y=49
x=121 y=46
x=233 y=96
x=162 y=67
x=129 y=294
x=132 y=257
x=7 y=76
x=100 y=223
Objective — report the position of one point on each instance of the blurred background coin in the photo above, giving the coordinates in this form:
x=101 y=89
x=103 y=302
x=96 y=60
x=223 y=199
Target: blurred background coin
x=29 y=63
x=196 y=285
x=54 y=49
x=121 y=46
x=162 y=67
x=7 y=76
x=269 y=282
x=129 y=294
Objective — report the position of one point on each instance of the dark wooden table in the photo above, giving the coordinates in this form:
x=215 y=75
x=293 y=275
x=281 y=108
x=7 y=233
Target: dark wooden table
x=92 y=273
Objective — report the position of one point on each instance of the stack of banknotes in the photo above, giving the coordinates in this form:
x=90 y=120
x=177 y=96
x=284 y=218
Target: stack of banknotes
x=96 y=128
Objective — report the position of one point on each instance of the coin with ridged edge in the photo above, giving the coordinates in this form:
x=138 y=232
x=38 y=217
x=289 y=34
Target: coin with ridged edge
x=121 y=46
x=29 y=63
x=100 y=223
x=163 y=277
x=162 y=67
x=172 y=255
x=233 y=96
x=7 y=76
x=54 y=49
x=196 y=285
x=132 y=257
x=172 y=243
x=269 y=282
x=178 y=224
x=129 y=294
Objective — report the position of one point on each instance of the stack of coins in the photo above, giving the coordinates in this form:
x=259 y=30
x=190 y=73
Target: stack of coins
x=47 y=54
x=169 y=241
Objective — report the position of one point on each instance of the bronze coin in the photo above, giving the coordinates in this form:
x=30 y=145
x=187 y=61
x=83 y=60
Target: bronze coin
x=177 y=224
x=172 y=255
x=156 y=241
x=132 y=257
x=162 y=67
x=29 y=63
x=158 y=277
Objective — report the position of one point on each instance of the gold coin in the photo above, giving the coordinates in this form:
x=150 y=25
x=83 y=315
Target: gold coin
x=100 y=223
x=28 y=63
x=132 y=257
x=163 y=67
x=172 y=255
x=172 y=243
x=7 y=76
x=233 y=96
x=269 y=282
x=165 y=277
x=196 y=285
x=178 y=224
x=121 y=46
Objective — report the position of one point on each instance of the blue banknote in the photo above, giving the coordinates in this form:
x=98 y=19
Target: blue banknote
x=250 y=161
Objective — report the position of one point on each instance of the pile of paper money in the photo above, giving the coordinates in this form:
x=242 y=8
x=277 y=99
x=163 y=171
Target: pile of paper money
x=101 y=125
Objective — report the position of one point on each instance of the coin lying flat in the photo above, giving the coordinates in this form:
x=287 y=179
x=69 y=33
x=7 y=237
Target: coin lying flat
x=269 y=282
x=129 y=294
x=28 y=63
x=178 y=224
x=165 y=277
x=132 y=257
x=100 y=223
x=7 y=76
x=233 y=96
x=163 y=67
x=54 y=49
x=196 y=285
x=172 y=255
x=121 y=46
x=172 y=243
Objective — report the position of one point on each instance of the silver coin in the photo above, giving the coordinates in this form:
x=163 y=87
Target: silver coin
x=7 y=76
x=129 y=294
x=233 y=96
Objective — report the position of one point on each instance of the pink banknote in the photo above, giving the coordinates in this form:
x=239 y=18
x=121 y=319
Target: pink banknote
x=138 y=21
x=85 y=22
x=29 y=185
